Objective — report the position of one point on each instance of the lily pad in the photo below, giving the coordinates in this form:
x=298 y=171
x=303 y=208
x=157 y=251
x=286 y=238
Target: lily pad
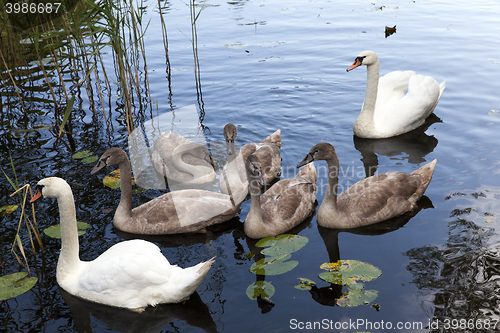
x=113 y=180
x=82 y=154
x=5 y=210
x=15 y=284
x=90 y=159
x=282 y=244
x=354 y=298
x=260 y=289
x=305 y=284
x=55 y=230
x=349 y=272
x=274 y=265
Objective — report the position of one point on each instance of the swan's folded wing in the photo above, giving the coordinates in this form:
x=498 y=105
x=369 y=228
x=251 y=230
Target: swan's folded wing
x=289 y=195
x=413 y=108
x=127 y=267
x=391 y=89
x=379 y=197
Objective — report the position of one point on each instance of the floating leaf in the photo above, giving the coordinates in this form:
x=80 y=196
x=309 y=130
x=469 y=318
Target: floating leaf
x=282 y=244
x=356 y=286
x=82 y=154
x=90 y=159
x=389 y=31
x=274 y=265
x=15 y=284
x=260 y=289
x=55 y=230
x=113 y=180
x=5 y=210
x=305 y=284
x=349 y=272
x=357 y=297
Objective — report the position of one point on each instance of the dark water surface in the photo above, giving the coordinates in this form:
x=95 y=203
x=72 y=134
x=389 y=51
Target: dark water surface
x=266 y=65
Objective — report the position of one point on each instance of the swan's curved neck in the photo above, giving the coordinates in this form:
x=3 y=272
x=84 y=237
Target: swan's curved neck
x=197 y=171
x=68 y=258
x=328 y=208
x=333 y=181
x=124 y=209
x=253 y=222
x=368 y=109
x=232 y=172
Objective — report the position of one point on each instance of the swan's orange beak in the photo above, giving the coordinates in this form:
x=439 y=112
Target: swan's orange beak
x=37 y=194
x=355 y=64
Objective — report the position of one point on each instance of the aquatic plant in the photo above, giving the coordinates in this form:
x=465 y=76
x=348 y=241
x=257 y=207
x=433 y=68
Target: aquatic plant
x=278 y=251
x=15 y=284
x=347 y=273
x=62 y=52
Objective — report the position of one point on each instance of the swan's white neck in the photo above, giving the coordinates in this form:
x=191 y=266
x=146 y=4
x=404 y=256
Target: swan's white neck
x=200 y=173
x=68 y=258
x=365 y=118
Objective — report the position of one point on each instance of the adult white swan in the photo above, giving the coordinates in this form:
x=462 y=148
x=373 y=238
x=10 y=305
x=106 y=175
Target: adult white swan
x=387 y=111
x=132 y=274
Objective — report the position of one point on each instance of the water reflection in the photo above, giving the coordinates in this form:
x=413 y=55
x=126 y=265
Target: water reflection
x=459 y=279
x=328 y=295
x=193 y=312
x=416 y=144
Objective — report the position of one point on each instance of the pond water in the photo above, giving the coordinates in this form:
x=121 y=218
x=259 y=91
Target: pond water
x=266 y=65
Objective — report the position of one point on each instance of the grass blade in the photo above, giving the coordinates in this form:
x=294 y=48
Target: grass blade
x=67 y=112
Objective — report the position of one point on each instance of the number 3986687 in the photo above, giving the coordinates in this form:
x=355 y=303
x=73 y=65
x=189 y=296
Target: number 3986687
x=32 y=8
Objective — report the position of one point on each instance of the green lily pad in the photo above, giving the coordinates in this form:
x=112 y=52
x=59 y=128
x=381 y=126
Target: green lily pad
x=90 y=159
x=15 y=284
x=349 y=272
x=274 y=265
x=354 y=298
x=305 y=284
x=5 y=210
x=55 y=230
x=82 y=154
x=282 y=244
x=260 y=289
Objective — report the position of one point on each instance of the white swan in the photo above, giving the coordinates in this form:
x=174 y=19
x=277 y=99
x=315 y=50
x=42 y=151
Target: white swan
x=387 y=111
x=283 y=206
x=182 y=161
x=175 y=212
x=131 y=274
x=234 y=175
x=371 y=200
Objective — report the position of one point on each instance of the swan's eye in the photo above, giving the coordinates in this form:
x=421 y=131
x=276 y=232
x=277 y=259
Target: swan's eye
x=360 y=59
